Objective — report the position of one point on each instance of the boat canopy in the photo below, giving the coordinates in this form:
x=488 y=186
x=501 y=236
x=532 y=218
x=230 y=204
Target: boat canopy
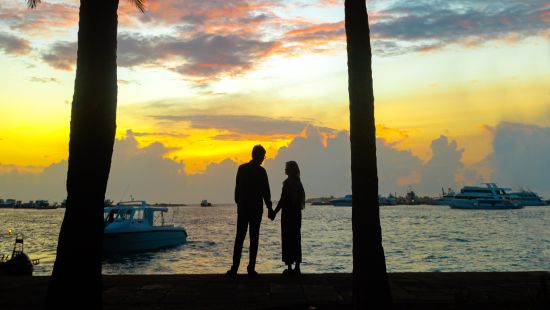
x=137 y=210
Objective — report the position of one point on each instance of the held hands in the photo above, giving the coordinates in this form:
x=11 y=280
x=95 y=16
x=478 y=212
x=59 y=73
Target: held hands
x=270 y=212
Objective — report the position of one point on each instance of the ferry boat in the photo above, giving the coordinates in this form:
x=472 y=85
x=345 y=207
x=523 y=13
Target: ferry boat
x=346 y=201
x=134 y=226
x=527 y=198
x=445 y=198
x=490 y=197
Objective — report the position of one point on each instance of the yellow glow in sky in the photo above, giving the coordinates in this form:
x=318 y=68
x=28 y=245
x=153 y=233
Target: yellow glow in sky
x=456 y=91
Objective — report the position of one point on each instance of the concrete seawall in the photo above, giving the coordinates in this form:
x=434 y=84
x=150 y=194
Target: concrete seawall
x=468 y=290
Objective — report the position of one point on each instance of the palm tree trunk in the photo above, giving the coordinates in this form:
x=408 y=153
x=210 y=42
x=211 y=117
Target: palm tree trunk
x=76 y=278
x=370 y=281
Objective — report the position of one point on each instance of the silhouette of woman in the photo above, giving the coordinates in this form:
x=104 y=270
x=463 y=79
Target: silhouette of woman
x=291 y=203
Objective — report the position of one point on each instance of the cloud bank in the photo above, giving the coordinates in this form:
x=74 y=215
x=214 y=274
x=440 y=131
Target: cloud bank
x=11 y=44
x=519 y=157
x=423 y=25
x=205 y=41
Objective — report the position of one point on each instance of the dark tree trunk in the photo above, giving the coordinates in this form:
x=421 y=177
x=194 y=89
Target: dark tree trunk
x=370 y=281
x=76 y=279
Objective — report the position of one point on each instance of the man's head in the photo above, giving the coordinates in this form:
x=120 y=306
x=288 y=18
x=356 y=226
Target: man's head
x=258 y=153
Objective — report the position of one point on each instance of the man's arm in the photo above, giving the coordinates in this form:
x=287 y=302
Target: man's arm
x=238 y=186
x=266 y=193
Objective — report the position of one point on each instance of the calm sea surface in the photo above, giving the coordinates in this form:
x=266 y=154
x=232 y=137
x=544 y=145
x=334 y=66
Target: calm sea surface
x=416 y=238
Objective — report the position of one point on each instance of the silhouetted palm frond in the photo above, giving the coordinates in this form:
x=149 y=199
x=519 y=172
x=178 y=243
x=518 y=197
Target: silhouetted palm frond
x=33 y=3
x=140 y=4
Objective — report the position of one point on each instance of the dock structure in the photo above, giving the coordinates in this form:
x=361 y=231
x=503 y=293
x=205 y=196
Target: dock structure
x=449 y=290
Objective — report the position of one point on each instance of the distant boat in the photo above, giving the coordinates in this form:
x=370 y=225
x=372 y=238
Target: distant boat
x=205 y=203
x=445 y=199
x=387 y=201
x=321 y=203
x=347 y=200
x=9 y=203
x=134 y=226
x=43 y=204
x=17 y=204
x=342 y=201
x=488 y=197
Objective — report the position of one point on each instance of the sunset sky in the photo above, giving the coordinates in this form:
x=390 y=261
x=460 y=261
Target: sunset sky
x=204 y=81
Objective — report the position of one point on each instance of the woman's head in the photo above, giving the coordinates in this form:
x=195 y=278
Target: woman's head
x=292 y=169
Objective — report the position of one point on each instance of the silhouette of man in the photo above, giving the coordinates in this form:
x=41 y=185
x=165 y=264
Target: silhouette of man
x=251 y=190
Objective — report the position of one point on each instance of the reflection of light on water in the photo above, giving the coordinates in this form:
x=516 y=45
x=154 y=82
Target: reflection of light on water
x=416 y=238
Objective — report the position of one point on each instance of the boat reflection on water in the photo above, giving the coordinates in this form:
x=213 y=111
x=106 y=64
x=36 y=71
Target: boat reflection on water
x=135 y=226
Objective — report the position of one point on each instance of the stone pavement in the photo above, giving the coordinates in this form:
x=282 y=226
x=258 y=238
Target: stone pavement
x=483 y=290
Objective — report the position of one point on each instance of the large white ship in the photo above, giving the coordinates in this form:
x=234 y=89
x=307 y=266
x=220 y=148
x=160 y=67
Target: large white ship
x=527 y=198
x=488 y=197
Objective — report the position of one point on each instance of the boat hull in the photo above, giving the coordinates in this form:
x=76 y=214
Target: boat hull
x=349 y=203
x=138 y=241
x=19 y=265
x=483 y=204
x=532 y=203
x=341 y=204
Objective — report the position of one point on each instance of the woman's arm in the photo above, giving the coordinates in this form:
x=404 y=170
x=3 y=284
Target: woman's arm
x=283 y=200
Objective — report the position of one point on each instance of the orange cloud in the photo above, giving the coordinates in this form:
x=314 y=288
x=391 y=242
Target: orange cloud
x=392 y=135
x=213 y=16
x=414 y=177
x=544 y=16
x=45 y=20
x=317 y=33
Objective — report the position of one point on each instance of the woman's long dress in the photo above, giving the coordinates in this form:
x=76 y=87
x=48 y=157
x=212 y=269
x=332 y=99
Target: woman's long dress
x=291 y=202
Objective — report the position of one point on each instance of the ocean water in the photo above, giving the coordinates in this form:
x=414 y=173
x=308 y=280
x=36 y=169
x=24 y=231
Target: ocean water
x=415 y=238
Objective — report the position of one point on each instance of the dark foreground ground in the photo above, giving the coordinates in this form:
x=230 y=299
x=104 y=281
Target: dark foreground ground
x=483 y=290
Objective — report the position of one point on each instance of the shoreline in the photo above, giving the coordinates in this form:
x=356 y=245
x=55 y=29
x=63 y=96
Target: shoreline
x=452 y=290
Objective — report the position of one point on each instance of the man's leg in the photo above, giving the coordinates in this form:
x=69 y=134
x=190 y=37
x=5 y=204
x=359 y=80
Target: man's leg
x=242 y=223
x=254 y=228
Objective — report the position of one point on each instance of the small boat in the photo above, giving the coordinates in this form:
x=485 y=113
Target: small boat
x=205 y=203
x=19 y=264
x=135 y=226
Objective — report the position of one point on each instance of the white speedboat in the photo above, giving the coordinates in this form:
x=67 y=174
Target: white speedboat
x=489 y=197
x=134 y=226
